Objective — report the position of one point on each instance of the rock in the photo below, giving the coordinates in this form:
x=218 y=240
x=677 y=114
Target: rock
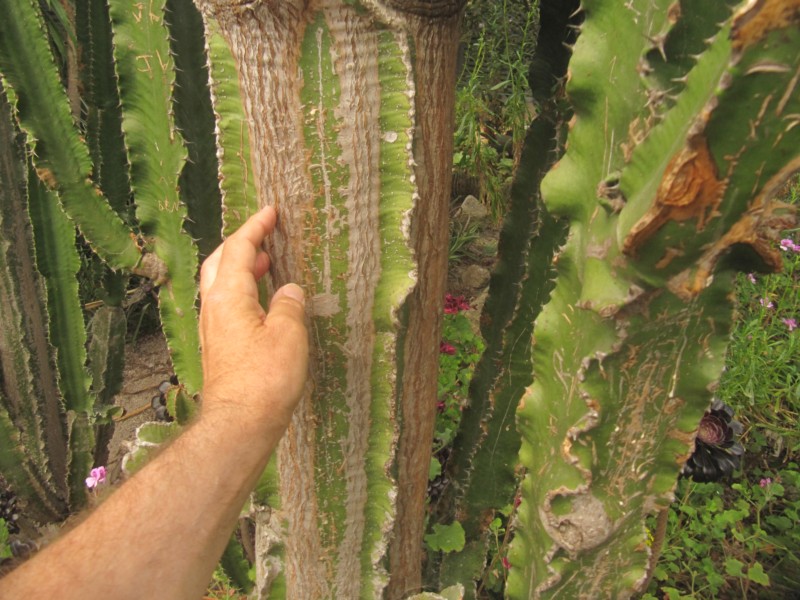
x=485 y=245
x=474 y=315
x=473 y=210
x=475 y=277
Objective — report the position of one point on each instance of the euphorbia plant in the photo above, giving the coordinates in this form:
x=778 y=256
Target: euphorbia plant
x=340 y=113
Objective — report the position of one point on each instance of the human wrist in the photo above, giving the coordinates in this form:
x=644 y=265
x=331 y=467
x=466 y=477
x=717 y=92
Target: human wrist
x=247 y=420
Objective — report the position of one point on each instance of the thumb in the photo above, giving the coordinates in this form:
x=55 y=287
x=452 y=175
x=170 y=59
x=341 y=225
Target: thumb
x=289 y=298
x=286 y=323
x=287 y=315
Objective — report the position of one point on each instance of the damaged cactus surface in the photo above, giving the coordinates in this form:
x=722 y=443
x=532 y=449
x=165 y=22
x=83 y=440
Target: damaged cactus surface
x=683 y=131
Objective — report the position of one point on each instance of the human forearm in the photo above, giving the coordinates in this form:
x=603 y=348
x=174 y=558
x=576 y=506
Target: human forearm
x=160 y=534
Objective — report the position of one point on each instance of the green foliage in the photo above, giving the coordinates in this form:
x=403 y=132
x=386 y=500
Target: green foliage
x=462 y=234
x=446 y=538
x=761 y=379
x=737 y=541
x=223 y=587
x=5 y=549
x=493 y=103
x=460 y=350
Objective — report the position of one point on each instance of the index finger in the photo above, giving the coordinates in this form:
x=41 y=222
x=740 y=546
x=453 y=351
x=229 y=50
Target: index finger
x=240 y=252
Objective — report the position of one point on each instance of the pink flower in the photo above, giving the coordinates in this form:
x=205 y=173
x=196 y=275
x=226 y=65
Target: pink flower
x=787 y=244
x=96 y=477
x=766 y=303
x=506 y=563
x=790 y=323
x=751 y=278
x=765 y=482
x=446 y=348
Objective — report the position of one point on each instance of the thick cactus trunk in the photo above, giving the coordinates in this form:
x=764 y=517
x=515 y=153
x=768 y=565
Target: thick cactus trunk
x=349 y=111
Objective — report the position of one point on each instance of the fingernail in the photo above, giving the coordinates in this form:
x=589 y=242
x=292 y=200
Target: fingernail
x=294 y=291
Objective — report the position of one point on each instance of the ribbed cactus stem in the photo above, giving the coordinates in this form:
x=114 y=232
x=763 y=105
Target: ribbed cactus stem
x=62 y=158
x=157 y=155
x=658 y=190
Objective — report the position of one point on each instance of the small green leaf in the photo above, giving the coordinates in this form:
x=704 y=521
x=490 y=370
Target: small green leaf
x=756 y=574
x=446 y=538
x=734 y=567
x=673 y=594
x=5 y=550
x=435 y=469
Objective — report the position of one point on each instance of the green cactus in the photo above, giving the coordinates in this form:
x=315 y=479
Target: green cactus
x=62 y=158
x=34 y=456
x=194 y=118
x=669 y=167
x=660 y=193
x=56 y=415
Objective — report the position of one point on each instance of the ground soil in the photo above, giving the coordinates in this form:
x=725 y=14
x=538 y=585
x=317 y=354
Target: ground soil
x=147 y=364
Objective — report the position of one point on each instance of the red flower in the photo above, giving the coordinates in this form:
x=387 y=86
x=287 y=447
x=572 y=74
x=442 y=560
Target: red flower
x=455 y=304
x=506 y=563
x=446 y=348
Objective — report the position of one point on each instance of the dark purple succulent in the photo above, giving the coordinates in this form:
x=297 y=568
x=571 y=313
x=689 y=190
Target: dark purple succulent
x=717 y=453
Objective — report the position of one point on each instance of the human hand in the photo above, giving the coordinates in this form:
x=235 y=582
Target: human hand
x=254 y=363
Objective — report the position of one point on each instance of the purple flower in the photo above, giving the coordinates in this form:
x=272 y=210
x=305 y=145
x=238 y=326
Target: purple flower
x=790 y=323
x=96 y=477
x=787 y=244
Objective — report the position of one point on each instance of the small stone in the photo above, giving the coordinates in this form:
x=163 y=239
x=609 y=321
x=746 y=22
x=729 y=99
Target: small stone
x=474 y=315
x=485 y=245
x=473 y=210
x=475 y=277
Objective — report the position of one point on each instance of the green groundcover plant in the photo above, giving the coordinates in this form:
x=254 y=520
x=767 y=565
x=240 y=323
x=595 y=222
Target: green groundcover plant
x=738 y=537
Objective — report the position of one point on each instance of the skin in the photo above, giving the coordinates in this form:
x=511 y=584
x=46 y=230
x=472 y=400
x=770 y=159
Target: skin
x=161 y=534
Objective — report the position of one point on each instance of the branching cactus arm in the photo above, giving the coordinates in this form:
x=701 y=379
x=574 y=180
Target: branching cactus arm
x=661 y=193
x=61 y=156
x=157 y=156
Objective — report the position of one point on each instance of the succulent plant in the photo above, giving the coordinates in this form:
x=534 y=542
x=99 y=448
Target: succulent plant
x=717 y=452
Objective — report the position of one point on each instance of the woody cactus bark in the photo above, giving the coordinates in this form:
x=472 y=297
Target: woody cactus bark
x=683 y=131
x=349 y=113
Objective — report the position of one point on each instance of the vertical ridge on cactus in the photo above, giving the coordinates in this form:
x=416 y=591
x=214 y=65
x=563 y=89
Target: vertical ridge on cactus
x=157 y=157
x=34 y=458
x=62 y=158
x=634 y=337
x=194 y=118
x=57 y=260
